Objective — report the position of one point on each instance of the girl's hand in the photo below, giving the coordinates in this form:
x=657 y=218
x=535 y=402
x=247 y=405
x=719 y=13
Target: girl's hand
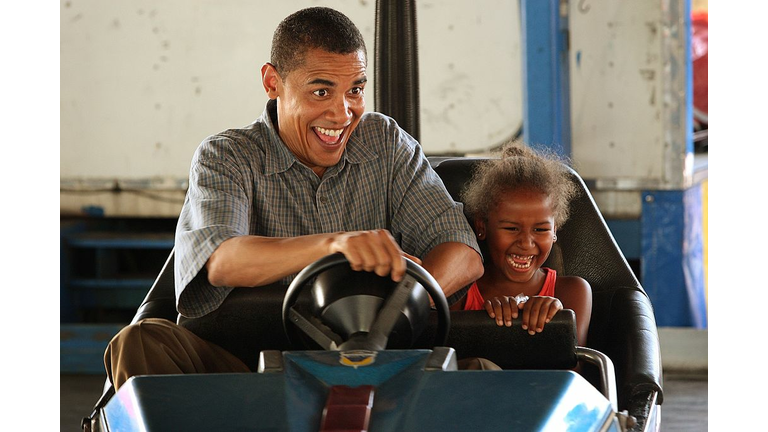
x=504 y=309
x=537 y=311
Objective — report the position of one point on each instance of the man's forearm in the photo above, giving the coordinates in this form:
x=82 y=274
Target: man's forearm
x=254 y=261
x=248 y=261
x=453 y=265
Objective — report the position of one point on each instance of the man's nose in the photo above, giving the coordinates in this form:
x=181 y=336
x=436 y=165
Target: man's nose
x=339 y=110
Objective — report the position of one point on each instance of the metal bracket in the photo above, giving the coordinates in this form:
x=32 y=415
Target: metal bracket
x=270 y=361
x=442 y=359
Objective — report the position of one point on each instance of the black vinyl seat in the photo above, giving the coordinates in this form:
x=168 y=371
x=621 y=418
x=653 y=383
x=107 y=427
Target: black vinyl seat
x=622 y=325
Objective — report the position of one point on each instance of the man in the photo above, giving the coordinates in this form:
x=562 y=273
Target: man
x=314 y=175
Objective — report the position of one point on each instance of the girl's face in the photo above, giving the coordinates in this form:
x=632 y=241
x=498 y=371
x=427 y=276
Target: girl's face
x=519 y=233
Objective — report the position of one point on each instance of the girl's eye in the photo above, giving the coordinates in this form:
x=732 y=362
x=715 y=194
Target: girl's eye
x=321 y=92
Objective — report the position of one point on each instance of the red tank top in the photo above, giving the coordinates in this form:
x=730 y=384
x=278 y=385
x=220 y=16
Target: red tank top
x=475 y=300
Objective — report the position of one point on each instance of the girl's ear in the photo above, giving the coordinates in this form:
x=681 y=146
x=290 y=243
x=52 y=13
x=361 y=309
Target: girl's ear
x=480 y=228
x=271 y=80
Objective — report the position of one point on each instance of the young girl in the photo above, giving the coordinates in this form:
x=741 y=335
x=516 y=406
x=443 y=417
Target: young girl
x=517 y=202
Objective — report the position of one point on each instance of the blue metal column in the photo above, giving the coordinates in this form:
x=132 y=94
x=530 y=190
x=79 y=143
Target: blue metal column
x=672 y=241
x=546 y=91
x=668 y=237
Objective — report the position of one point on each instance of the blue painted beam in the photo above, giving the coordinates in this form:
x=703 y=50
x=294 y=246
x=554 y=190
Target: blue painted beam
x=121 y=240
x=672 y=264
x=546 y=88
x=112 y=283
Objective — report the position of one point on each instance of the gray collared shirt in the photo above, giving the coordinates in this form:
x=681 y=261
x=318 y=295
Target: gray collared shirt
x=246 y=182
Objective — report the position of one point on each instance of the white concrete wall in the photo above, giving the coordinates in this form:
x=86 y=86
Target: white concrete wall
x=143 y=82
x=470 y=74
x=628 y=78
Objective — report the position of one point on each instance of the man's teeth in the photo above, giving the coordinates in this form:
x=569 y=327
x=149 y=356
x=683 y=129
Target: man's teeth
x=330 y=132
x=514 y=261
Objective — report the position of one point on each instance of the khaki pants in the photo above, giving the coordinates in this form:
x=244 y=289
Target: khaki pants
x=477 y=363
x=155 y=346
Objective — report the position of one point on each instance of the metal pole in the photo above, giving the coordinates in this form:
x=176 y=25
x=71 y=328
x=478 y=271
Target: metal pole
x=396 y=70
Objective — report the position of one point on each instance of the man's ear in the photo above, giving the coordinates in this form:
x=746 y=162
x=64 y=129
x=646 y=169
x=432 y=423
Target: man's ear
x=271 y=80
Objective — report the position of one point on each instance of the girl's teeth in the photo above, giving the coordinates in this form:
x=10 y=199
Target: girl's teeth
x=514 y=261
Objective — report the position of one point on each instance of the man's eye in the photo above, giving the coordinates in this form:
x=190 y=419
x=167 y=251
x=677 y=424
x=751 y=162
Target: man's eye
x=321 y=92
x=356 y=90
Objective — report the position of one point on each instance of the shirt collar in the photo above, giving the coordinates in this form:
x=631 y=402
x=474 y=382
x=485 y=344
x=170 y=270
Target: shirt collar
x=280 y=158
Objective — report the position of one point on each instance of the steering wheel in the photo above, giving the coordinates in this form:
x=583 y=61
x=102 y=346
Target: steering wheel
x=378 y=335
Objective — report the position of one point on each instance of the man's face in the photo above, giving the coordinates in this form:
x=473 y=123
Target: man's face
x=319 y=104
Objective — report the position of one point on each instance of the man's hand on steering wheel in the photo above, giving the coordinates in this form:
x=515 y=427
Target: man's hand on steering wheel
x=372 y=251
x=385 y=319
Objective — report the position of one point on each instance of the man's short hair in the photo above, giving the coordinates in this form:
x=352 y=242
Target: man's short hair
x=315 y=27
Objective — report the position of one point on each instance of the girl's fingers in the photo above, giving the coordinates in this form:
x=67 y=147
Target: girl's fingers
x=489 y=309
x=497 y=310
x=508 y=309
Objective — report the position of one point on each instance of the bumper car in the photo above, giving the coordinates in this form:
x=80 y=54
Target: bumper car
x=343 y=350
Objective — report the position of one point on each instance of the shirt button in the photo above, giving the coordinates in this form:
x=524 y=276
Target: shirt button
x=323 y=200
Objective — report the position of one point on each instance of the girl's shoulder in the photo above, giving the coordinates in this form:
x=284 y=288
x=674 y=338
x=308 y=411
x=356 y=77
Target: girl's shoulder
x=575 y=293
x=572 y=283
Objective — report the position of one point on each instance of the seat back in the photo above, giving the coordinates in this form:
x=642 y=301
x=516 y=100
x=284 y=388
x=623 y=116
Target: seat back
x=234 y=326
x=246 y=323
x=160 y=301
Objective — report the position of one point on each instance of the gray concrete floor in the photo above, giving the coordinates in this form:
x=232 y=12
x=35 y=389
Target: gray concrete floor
x=78 y=394
x=685 y=404
x=684 y=408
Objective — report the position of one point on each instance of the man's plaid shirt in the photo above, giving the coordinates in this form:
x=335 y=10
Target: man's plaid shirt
x=247 y=182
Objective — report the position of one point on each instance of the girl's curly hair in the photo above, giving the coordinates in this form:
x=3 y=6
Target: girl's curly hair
x=519 y=166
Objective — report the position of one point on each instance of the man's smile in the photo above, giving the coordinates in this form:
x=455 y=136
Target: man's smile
x=328 y=136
